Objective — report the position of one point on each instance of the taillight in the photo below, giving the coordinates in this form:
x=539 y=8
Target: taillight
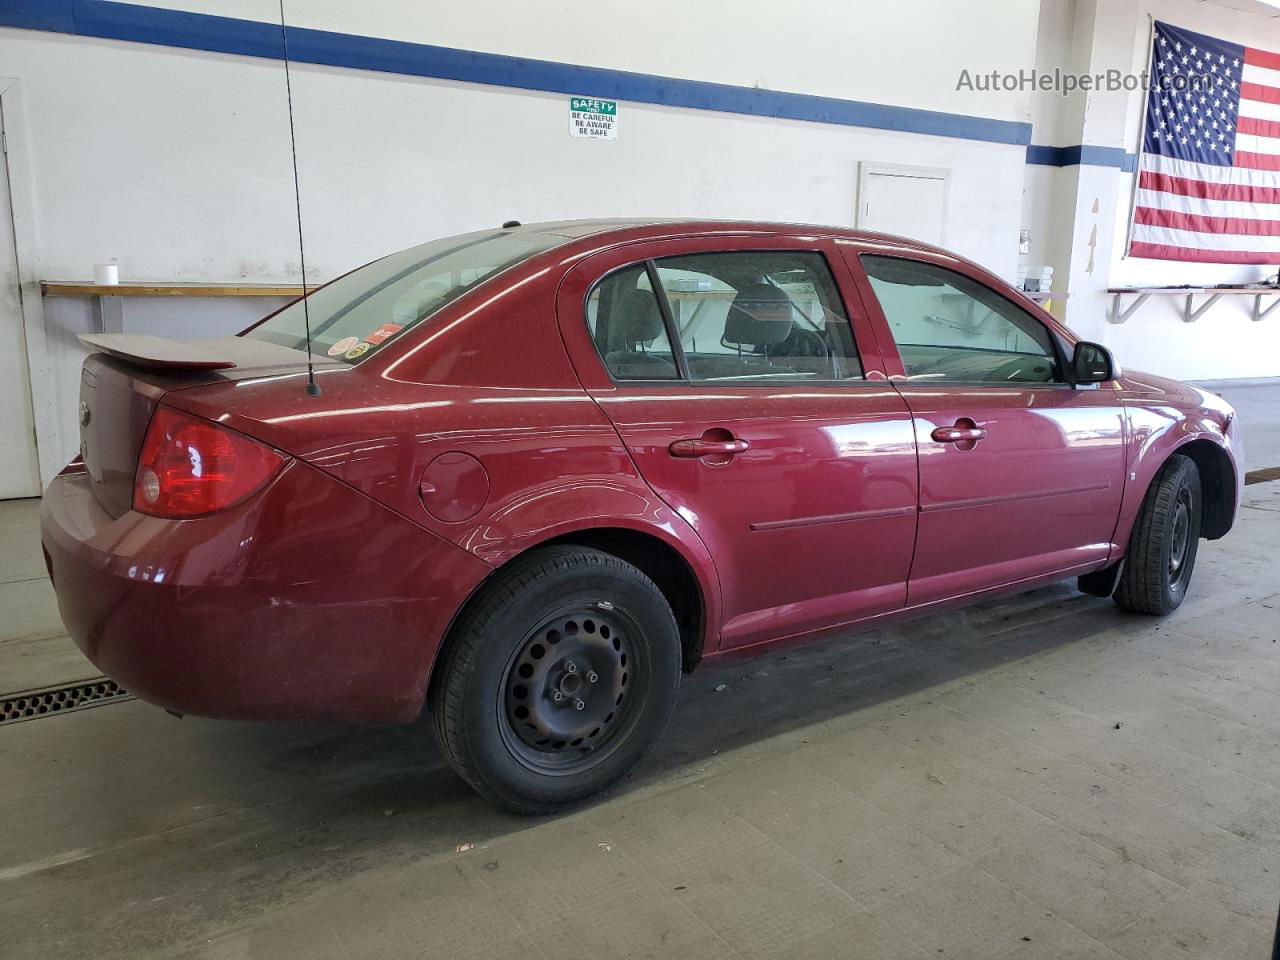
x=189 y=467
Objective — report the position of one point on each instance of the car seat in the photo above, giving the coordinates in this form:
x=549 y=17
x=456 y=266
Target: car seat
x=634 y=323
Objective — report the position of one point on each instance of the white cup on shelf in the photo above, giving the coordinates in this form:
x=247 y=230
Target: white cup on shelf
x=106 y=274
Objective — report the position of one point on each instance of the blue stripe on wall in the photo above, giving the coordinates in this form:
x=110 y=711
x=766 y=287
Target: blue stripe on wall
x=197 y=31
x=1082 y=154
x=56 y=15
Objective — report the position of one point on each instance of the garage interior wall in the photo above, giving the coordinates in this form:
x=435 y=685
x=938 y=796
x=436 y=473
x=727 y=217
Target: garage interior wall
x=1078 y=214
x=176 y=161
x=1229 y=344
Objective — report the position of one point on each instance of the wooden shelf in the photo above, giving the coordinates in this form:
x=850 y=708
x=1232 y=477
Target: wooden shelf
x=1185 y=290
x=85 y=288
x=1190 y=312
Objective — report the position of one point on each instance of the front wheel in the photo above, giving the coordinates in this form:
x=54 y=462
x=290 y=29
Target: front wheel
x=1162 y=547
x=557 y=679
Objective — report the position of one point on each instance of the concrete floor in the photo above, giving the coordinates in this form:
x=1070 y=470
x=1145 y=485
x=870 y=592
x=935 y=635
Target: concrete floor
x=1041 y=776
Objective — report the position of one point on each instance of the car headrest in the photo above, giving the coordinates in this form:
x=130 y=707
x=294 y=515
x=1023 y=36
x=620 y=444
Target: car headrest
x=760 y=316
x=636 y=319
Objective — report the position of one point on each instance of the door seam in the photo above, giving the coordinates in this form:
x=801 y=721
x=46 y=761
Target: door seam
x=915 y=538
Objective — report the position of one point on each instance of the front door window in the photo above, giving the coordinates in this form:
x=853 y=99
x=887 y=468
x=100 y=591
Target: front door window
x=952 y=329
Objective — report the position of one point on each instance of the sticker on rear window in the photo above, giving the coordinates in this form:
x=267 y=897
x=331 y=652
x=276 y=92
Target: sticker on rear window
x=358 y=351
x=384 y=332
x=343 y=345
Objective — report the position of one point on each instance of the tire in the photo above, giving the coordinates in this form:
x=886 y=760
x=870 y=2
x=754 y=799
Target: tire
x=1162 y=547
x=568 y=621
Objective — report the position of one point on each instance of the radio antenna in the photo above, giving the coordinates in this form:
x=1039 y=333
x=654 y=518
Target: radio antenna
x=313 y=388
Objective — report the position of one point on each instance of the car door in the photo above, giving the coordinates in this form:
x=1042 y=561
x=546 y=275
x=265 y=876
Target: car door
x=1021 y=472
x=760 y=413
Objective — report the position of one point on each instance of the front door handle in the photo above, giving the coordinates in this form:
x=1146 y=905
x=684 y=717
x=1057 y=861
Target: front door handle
x=708 y=448
x=965 y=431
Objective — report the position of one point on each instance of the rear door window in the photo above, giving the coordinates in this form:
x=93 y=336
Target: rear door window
x=759 y=316
x=749 y=316
x=625 y=318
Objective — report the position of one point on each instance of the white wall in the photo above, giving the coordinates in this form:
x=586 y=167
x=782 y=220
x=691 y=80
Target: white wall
x=1047 y=193
x=1055 y=34
x=177 y=162
x=908 y=53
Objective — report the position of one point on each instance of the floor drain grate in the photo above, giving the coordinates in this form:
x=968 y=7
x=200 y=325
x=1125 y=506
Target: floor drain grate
x=34 y=704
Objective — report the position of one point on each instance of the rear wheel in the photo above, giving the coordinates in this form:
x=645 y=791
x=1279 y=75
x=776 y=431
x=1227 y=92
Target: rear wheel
x=557 y=679
x=1162 y=547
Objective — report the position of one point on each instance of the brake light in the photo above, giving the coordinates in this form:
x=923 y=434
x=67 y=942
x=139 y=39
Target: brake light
x=190 y=467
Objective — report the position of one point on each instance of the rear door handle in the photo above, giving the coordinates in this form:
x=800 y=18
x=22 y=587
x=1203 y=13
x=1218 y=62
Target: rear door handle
x=965 y=431
x=708 y=448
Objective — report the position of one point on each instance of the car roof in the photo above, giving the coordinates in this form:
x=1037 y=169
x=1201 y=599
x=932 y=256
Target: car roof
x=630 y=230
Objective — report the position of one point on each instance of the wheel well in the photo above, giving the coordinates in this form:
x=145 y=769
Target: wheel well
x=662 y=564
x=1217 y=486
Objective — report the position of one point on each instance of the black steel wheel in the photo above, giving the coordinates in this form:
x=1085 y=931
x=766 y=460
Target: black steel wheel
x=1163 y=545
x=572 y=688
x=1180 y=539
x=556 y=679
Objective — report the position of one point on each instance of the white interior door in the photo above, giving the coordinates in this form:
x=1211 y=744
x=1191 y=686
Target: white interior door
x=19 y=473
x=903 y=200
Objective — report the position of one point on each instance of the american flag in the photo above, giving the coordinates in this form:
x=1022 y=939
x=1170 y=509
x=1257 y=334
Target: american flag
x=1209 y=172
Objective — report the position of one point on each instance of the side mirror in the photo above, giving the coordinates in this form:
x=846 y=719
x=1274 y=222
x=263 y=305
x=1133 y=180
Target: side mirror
x=1091 y=363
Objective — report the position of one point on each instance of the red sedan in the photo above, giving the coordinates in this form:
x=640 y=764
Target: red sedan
x=549 y=467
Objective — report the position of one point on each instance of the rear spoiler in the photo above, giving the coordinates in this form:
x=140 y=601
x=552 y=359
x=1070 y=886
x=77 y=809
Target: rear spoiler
x=220 y=353
x=160 y=353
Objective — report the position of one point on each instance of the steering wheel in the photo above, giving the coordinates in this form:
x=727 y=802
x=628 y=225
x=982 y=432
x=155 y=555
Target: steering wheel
x=802 y=343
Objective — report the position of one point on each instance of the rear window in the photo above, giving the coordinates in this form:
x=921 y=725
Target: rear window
x=360 y=313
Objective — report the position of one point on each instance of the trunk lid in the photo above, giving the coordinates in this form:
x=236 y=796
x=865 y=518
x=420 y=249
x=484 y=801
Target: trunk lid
x=121 y=384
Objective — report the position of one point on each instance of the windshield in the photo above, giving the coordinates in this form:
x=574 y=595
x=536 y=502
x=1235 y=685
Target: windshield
x=359 y=313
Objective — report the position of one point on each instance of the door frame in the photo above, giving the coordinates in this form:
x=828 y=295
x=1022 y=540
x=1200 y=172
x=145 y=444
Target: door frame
x=22 y=204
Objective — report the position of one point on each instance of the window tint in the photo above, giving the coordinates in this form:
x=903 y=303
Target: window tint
x=950 y=328
x=625 y=321
x=759 y=316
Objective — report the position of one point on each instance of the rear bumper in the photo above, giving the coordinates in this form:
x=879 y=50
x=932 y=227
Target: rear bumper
x=308 y=600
